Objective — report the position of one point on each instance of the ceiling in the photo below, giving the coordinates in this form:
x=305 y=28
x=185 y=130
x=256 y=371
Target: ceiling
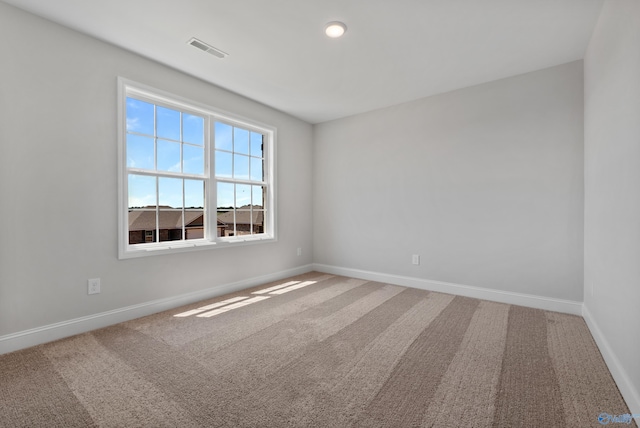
x=393 y=51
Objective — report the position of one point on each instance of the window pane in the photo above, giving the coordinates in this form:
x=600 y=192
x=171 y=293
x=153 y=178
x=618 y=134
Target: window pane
x=243 y=195
x=241 y=141
x=142 y=209
x=226 y=214
x=256 y=169
x=194 y=194
x=142 y=191
x=192 y=129
x=170 y=224
x=256 y=144
x=257 y=197
x=243 y=222
x=193 y=159
x=258 y=222
x=224 y=228
x=170 y=192
x=226 y=223
x=194 y=209
x=224 y=136
x=139 y=152
x=168 y=123
x=168 y=156
x=142 y=226
x=194 y=224
x=225 y=196
x=240 y=166
x=170 y=213
x=224 y=164
x=139 y=116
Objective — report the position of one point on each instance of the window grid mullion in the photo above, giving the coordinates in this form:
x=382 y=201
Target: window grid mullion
x=181 y=144
x=155 y=137
x=157 y=209
x=182 y=208
x=233 y=151
x=157 y=180
x=235 y=210
x=251 y=215
x=242 y=181
x=166 y=174
x=184 y=213
x=249 y=158
x=211 y=186
x=171 y=140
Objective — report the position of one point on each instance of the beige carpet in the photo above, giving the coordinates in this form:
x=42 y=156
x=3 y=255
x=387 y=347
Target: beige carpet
x=323 y=351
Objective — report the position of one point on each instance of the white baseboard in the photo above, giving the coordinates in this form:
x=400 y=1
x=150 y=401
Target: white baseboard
x=538 y=302
x=39 y=335
x=626 y=387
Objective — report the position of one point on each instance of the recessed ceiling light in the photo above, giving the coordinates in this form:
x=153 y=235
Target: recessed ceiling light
x=335 y=29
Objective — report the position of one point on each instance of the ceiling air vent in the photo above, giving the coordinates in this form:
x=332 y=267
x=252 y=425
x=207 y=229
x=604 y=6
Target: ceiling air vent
x=207 y=48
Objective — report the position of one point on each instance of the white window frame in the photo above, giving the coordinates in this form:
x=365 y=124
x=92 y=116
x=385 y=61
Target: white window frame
x=128 y=88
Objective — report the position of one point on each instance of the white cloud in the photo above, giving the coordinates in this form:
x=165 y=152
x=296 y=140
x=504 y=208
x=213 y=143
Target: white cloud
x=133 y=123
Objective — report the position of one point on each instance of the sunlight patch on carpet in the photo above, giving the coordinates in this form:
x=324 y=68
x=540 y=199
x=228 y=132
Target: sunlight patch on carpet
x=233 y=306
x=293 y=287
x=211 y=306
x=276 y=287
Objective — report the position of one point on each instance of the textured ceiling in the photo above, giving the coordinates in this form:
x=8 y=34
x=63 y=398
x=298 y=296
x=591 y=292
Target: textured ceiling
x=393 y=51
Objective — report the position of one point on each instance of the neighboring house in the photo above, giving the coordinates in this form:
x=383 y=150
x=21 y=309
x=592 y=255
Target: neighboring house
x=142 y=224
x=248 y=220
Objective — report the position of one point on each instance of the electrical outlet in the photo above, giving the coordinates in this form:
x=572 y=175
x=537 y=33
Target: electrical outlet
x=415 y=259
x=299 y=251
x=93 y=286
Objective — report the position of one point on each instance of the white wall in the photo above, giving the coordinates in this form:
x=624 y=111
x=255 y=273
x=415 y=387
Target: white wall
x=58 y=181
x=484 y=183
x=612 y=192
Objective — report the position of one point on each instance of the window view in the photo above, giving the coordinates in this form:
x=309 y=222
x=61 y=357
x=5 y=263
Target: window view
x=166 y=181
x=187 y=168
x=239 y=170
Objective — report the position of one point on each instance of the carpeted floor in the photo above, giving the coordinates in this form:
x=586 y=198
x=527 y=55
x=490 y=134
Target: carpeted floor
x=323 y=351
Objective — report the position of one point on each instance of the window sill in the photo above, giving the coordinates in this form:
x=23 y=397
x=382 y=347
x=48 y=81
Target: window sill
x=176 y=247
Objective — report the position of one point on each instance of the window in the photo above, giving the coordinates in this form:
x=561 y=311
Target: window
x=191 y=177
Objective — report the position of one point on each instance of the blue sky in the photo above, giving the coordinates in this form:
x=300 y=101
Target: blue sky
x=238 y=155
